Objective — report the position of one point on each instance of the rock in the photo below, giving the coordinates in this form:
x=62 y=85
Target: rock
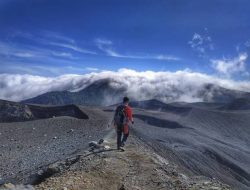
x=70 y=131
x=100 y=141
x=122 y=187
x=21 y=187
x=136 y=188
x=40 y=172
x=1 y=181
x=54 y=137
x=106 y=147
x=205 y=183
x=54 y=168
x=9 y=186
x=12 y=111
x=215 y=188
x=174 y=173
x=93 y=144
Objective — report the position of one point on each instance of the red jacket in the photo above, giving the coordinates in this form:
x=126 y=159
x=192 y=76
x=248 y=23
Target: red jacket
x=129 y=118
x=128 y=113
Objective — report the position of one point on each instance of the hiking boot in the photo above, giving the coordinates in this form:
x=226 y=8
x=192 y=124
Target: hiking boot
x=120 y=149
x=123 y=144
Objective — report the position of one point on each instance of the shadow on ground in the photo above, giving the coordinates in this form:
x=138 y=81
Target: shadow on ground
x=158 y=122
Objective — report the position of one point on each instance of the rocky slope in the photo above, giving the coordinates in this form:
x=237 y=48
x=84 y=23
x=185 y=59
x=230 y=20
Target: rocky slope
x=26 y=146
x=14 y=112
x=138 y=168
x=204 y=140
x=237 y=104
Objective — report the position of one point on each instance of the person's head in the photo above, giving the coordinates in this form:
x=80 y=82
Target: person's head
x=125 y=100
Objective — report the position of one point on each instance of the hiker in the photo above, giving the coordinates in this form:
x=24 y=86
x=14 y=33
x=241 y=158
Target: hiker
x=122 y=118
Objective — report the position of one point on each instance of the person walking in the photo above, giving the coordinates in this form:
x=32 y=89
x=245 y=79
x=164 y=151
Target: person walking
x=122 y=118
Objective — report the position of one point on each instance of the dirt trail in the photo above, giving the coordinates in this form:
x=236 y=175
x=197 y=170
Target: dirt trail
x=138 y=168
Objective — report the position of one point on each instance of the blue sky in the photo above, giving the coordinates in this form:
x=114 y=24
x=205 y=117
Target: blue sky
x=55 y=37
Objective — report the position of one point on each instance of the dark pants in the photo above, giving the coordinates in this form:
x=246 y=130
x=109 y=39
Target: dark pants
x=121 y=137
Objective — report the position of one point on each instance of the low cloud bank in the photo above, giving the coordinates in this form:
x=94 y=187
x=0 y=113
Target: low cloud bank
x=180 y=85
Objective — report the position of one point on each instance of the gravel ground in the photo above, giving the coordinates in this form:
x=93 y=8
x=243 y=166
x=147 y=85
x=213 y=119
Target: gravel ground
x=200 y=141
x=204 y=141
x=27 y=146
x=138 y=168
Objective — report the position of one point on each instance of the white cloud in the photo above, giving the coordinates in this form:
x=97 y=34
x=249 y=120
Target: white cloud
x=72 y=47
x=56 y=36
x=112 y=53
x=64 y=55
x=106 y=46
x=201 y=43
x=18 y=52
x=52 y=38
x=247 y=43
x=166 y=86
x=232 y=66
x=24 y=54
x=99 y=41
x=196 y=41
x=167 y=57
x=91 y=69
x=13 y=50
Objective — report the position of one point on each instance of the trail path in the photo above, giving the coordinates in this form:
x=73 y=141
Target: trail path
x=138 y=168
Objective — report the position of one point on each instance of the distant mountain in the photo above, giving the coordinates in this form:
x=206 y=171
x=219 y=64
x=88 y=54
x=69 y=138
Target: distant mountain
x=108 y=92
x=14 y=112
x=159 y=106
x=99 y=93
x=215 y=93
x=237 y=104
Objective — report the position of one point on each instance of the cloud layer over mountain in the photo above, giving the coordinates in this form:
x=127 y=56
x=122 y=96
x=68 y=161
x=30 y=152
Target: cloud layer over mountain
x=139 y=85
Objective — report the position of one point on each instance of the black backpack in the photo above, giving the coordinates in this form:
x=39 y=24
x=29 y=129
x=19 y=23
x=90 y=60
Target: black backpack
x=119 y=115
